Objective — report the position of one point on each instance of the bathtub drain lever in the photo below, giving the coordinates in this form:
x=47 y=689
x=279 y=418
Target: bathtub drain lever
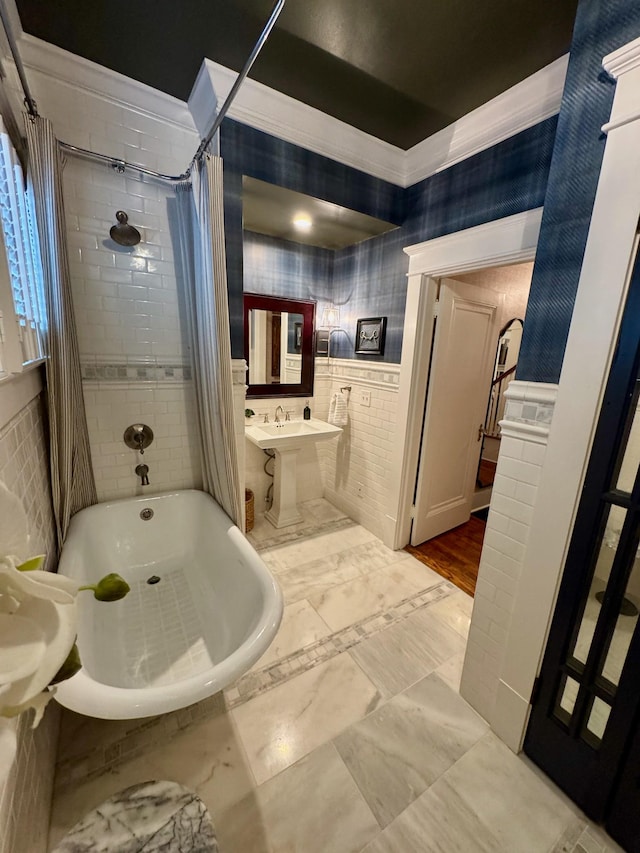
x=142 y=471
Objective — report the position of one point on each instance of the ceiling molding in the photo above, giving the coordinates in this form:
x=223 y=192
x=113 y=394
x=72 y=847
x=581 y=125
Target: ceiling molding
x=280 y=115
x=623 y=60
x=522 y=106
x=531 y=101
x=101 y=82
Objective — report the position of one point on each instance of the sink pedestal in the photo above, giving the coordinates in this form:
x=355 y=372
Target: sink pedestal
x=286 y=439
x=284 y=510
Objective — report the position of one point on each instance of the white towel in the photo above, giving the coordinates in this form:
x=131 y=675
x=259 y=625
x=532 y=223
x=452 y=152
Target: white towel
x=338 y=414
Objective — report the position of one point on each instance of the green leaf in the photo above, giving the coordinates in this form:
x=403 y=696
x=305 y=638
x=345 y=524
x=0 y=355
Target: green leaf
x=31 y=565
x=71 y=665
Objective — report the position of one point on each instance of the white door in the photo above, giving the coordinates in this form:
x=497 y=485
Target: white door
x=464 y=348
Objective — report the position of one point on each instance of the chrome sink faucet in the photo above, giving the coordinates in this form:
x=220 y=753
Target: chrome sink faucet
x=277 y=417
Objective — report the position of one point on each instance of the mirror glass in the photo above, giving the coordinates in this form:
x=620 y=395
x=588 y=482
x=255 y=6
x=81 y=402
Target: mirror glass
x=278 y=344
x=504 y=370
x=275 y=347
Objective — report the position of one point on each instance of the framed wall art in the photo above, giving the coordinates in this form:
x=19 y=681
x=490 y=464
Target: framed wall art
x=370 y=334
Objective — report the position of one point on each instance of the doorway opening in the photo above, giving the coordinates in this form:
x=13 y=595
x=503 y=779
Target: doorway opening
x=476 y=339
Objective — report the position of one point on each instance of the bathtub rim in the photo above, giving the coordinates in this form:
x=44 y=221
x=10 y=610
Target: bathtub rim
x=84 y=695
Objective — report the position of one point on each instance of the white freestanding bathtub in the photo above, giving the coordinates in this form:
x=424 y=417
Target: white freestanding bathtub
x=203 y=607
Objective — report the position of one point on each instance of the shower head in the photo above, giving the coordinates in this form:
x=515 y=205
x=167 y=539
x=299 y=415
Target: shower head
x=123 y=233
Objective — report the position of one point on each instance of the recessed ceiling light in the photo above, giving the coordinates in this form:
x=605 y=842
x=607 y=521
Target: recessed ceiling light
x=302 y=222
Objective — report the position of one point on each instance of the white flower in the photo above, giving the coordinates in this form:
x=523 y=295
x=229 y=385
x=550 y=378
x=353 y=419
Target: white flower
x=38 y=620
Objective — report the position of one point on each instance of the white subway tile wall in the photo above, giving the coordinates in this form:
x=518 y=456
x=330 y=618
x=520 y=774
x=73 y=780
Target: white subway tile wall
x=514 y=496
x=27 y=757
x=173 y=457
x=356 y=468
x=126 y=300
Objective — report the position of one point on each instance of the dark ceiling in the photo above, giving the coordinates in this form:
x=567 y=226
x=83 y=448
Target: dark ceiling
x=397 y=69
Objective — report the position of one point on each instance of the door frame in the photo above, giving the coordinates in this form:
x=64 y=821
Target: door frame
x=598 y=308
x=511 y=240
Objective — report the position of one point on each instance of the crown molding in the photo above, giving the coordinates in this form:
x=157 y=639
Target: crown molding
x=280 y=115
x=527 y=103
x=622 y=60
x=109 y=86
x=524 y=105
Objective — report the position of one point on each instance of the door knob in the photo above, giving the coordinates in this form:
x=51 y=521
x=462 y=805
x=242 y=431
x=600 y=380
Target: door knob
x=480 y=431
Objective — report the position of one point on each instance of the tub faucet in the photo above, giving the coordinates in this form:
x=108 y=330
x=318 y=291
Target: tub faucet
x=277 y=417
x=142 y=471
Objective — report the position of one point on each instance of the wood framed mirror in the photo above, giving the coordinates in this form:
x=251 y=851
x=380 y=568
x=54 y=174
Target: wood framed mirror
x=278 y=346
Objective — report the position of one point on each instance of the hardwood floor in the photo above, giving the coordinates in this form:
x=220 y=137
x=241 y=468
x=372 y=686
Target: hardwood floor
x=455 y=554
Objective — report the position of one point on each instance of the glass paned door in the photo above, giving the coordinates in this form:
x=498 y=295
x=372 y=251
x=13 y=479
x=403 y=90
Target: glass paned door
x=585 y=717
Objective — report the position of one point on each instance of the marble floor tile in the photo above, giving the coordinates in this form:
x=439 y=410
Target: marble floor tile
x=501 y=806
x=396 y=658
x=313 y=806
x=320 y=510
x=300 y=626
x=451 y=671
x=523 y=809
x=295 y=554
x=316 y=515
x=455 y=610
x=284 y=724
x=438 y=823
x=317 y=574
x=413 y=573
x=406 y=744
x=207 y=757
x=350 y=602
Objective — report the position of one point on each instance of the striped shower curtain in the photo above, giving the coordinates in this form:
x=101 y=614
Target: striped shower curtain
x=72 y=482
x=204 y=268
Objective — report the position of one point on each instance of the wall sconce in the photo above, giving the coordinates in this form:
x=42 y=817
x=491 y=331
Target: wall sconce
x=330 y=318
x=331 y=321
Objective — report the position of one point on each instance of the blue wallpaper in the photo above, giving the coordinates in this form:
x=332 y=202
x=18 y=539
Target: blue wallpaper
x=276 y=267
x=601 y=26
x=247 y=151
x=369 y=279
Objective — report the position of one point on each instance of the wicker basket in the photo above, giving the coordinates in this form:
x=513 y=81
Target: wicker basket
x=248 y=510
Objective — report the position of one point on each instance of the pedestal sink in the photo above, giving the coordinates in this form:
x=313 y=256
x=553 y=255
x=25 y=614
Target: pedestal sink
x=287 y=439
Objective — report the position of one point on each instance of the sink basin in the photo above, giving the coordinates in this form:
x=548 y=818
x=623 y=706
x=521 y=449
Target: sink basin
x=287 y=439
x=291 y=435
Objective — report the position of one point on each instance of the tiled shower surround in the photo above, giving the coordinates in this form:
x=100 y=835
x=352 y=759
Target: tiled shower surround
x=130 y=324
x=27 y=763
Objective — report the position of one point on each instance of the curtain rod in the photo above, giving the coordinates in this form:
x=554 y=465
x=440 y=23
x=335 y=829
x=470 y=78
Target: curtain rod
x=13 y=47
x=119 y=165
x=264 y=35
x=116 y=162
